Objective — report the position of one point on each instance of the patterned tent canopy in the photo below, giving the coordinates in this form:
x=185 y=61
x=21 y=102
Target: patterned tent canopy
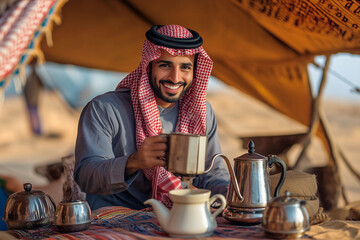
x=261 y=47
x=23 y=23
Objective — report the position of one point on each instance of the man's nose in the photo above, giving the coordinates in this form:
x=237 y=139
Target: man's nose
x=175 y=75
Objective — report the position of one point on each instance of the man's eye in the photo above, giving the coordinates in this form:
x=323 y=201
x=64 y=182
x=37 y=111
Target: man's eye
x=187 y=67
x=164 y=65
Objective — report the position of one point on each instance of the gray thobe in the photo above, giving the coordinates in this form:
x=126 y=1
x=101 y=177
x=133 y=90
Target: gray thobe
x=106 y=138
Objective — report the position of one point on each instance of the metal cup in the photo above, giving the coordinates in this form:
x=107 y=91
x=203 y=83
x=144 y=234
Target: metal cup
x=73 y=216
x=186 y=154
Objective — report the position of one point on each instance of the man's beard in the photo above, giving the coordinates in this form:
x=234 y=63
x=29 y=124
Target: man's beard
x=168 y=98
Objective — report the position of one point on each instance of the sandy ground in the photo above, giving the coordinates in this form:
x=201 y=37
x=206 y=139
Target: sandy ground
x=237 y=115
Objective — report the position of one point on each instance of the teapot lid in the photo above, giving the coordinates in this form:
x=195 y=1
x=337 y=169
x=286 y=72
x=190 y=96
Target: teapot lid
x=27 y=192
x=285 y=200
x=251 y=155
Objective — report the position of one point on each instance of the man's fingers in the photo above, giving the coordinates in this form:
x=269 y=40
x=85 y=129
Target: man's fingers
x=153 y=155
x=160 y=162
x=156 y=147
x=153 y=162
x=162 y=138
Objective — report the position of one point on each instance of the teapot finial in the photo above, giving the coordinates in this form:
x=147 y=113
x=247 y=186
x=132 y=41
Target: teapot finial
x=27 y=187
x=251 y=147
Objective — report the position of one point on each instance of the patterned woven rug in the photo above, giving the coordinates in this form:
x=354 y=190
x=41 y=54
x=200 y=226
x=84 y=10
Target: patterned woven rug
x=124 y=223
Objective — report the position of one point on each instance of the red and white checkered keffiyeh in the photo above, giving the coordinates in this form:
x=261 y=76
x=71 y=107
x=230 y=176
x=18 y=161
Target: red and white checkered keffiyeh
x=192 y=106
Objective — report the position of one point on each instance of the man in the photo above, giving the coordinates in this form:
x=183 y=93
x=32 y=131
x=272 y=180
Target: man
x=119 y=149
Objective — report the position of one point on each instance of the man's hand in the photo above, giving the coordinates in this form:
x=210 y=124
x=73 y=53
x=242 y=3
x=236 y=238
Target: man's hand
x=150 y=154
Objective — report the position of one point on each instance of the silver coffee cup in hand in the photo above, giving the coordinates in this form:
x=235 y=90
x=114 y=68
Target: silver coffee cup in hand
x=186 y=154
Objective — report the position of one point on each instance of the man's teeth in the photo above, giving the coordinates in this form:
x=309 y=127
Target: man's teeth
x=172 y=86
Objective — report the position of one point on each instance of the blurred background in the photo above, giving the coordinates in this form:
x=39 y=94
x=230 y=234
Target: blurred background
x=67 y=88
x=284 y=74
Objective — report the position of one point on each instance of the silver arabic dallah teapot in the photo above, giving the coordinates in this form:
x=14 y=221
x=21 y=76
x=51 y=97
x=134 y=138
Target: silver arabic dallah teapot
x=29 y=209
x=249 y=189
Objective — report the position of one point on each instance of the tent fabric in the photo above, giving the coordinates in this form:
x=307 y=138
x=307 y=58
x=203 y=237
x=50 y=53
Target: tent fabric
x=318 y=27
x=21 y=27
x=260 y=47
x=246 y=55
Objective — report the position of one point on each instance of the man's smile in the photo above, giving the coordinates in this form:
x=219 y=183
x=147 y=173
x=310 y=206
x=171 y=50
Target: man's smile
x=170 y=86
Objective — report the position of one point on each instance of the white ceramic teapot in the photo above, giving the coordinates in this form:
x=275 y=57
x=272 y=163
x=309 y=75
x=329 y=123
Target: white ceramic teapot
x=190 y=215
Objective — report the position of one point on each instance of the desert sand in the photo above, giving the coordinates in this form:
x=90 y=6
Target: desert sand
x=237 y=115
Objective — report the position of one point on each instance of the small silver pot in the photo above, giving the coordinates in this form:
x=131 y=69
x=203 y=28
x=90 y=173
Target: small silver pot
x=73 y=216
x=286 y=217
x=29 y=209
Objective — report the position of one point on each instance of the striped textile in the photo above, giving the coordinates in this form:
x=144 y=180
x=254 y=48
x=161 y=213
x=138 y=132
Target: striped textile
x=21 y=26
x=124 y=223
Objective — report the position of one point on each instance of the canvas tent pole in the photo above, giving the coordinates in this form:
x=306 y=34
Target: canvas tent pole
x=340 y=152
x=318 y=116
x=334 y=150
x=347 y=163
x=315 y=117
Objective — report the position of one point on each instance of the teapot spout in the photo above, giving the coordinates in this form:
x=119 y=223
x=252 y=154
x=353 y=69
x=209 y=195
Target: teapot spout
x=232 y=175
x=162 y=213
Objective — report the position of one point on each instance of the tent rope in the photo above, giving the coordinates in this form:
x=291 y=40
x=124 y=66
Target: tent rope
x=345 y=80
x=355 y=89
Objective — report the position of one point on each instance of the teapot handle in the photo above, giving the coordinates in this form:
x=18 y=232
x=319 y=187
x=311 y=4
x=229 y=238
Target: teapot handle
x=303 y=203
x=273 y=159
x=223 y=204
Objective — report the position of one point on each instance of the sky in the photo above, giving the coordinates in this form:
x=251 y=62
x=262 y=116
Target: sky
x=344 y=73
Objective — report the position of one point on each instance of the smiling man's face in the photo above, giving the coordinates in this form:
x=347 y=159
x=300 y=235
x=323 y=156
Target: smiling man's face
x=171 y=77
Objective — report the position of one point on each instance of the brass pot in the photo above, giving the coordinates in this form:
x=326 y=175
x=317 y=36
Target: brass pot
x=29 y=209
